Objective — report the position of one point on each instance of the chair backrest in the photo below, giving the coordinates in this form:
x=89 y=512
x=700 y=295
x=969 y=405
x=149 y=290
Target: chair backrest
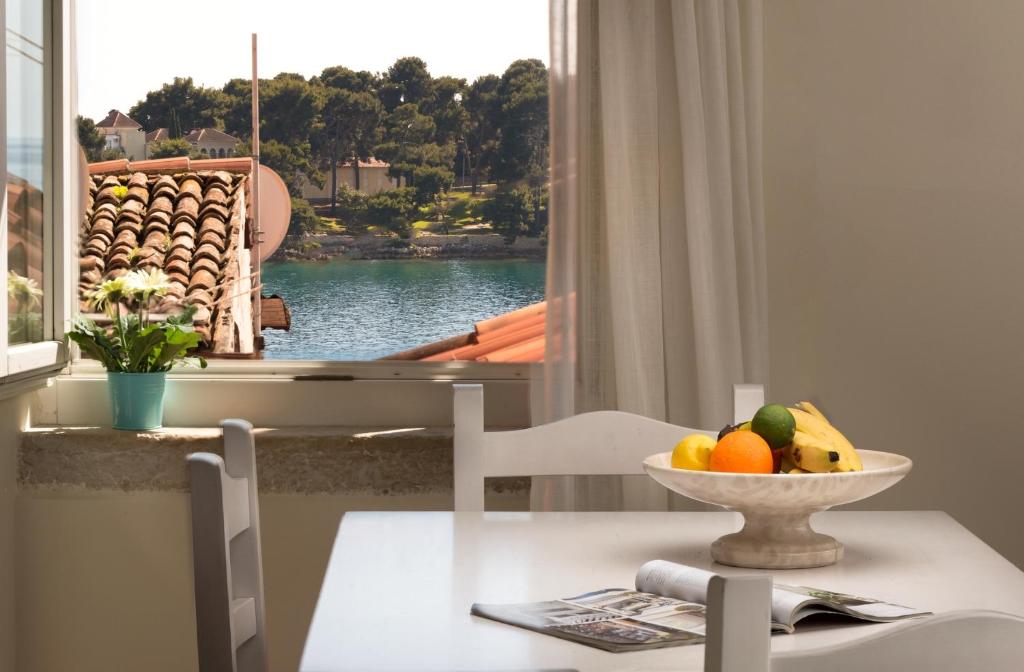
x=951 y=642
x=739 y=623
x=226 y=555
x=738 y=626
x=598 y=443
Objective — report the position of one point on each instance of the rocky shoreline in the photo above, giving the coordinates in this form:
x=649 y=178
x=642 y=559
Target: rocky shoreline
x=327 y=247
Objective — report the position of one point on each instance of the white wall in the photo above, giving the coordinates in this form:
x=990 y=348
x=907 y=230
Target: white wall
x=894 y=166
x=13 y=416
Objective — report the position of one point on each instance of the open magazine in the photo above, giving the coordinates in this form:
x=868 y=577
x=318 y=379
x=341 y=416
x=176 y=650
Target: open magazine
x=667 y=609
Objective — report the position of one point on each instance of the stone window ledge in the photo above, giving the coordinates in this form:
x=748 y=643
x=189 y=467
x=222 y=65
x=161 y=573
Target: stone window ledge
x=294 y=460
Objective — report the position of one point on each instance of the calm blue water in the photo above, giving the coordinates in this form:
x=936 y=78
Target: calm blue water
x=359 y=310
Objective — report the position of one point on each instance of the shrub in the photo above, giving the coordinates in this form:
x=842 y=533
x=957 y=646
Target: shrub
x=510 y=212
x=351 y=205
x=430 y=181
x=392 y=209
x=304 y=219
x=171 y=147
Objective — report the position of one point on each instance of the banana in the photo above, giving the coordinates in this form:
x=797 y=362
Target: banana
x=809 y=419
x=812 y=454
x=797 y=470
x=812 y=409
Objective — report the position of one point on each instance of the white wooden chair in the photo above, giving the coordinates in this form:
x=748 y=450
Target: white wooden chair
x=226 y=555
x=738 y=613
x=597 y=443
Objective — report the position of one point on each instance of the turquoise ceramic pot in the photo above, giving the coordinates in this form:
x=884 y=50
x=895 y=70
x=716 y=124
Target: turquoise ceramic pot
x=137 y=399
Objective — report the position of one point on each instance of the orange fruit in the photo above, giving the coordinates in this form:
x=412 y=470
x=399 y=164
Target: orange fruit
x=742 y=452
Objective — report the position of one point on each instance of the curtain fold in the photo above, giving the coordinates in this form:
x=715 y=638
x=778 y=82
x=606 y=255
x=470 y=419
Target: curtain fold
x=656 y=258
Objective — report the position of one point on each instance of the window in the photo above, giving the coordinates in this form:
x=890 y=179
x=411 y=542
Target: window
x=29 y=328
x=415 y=168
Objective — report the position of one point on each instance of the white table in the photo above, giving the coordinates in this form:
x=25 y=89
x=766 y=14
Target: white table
x=399 y=585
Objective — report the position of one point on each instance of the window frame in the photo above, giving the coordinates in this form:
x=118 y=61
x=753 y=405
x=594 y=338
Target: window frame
x=41 y=359
x=53 y=355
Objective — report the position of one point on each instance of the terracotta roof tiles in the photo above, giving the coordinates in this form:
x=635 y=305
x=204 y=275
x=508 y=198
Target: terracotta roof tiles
x=117 y=119
x=517 y=336
x=180 y=216
x=198 y=135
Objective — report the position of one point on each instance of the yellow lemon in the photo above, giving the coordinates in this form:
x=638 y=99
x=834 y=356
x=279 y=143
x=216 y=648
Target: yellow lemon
x=693 y=452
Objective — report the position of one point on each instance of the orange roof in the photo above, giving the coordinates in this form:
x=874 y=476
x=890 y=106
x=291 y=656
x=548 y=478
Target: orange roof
x=517 y=336
x=197 y=135
x=172 y=164
x=117 y=119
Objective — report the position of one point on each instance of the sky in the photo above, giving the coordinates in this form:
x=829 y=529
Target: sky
x=128 y=48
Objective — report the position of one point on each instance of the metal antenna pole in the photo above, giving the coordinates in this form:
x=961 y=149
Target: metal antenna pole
x=257 y=231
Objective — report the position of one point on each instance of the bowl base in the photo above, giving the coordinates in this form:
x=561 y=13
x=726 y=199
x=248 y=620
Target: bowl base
x=776 y=542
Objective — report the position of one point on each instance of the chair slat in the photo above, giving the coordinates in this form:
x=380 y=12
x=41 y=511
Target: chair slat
x=243 y=620
x=226 y=555
x=236 y=505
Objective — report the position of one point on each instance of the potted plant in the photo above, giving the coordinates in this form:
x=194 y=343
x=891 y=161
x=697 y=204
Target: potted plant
x=136 y=351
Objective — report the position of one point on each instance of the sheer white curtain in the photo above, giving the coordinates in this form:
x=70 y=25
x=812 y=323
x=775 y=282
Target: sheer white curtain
x=657 y=263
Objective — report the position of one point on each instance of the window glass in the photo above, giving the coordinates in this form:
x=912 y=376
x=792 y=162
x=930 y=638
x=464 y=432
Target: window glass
x=415 y=168
x=25 y=169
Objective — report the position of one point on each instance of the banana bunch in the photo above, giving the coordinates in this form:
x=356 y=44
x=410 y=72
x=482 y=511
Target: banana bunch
x=817 y=445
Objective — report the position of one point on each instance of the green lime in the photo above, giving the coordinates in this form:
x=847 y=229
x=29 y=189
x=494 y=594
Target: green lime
x=775 y=424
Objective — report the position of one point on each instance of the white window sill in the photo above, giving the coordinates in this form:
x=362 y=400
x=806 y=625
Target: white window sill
x=320 y=370
x=31 y=356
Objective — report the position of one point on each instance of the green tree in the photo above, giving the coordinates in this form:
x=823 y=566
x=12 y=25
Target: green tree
x=90 y=140
x=351 y=205
x=180 y=107
x=304 y=219
x=350 y=128
x=411 y=80
x=429 y=181
x=393 y=209
x=479 y=141
x=289 y=109
x=509 y=212
x=112 y=154
x=447 y=109
x=523 y=145
x=238 y=107
x=340 y=77
x=171 y=147
x=292 y=162
x=407 y=133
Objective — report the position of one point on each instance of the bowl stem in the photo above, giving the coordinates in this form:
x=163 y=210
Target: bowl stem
x=776 y=541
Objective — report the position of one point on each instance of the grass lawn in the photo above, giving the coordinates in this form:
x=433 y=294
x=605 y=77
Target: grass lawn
x=463 y=214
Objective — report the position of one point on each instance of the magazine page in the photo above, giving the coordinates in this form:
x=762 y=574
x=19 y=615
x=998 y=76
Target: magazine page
x=789 y=603
x=614 y=619
x=803 y=601
x=671 y=579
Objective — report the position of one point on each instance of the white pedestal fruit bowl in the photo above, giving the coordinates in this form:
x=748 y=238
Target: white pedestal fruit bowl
x=777 y=508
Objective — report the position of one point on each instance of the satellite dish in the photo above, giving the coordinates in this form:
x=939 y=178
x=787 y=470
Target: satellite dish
x=275 y=211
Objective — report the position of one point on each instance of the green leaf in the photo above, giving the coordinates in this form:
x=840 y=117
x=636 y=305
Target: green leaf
x=145 y=348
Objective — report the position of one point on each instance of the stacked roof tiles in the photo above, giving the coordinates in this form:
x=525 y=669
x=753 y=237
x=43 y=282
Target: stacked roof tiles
x=517 y=336
x=185 y=222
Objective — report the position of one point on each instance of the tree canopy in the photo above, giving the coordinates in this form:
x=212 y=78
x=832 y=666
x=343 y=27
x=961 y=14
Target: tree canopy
x=432 y=130
x=89 y=138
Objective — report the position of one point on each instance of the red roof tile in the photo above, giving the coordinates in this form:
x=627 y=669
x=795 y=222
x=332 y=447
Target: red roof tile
x=185 y=221
x=158 y=135
x=197 y=135
x=116 y=119
x=517 y=336
x=174 y=164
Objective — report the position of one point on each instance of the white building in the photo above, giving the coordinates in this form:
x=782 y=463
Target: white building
x=122 y=132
